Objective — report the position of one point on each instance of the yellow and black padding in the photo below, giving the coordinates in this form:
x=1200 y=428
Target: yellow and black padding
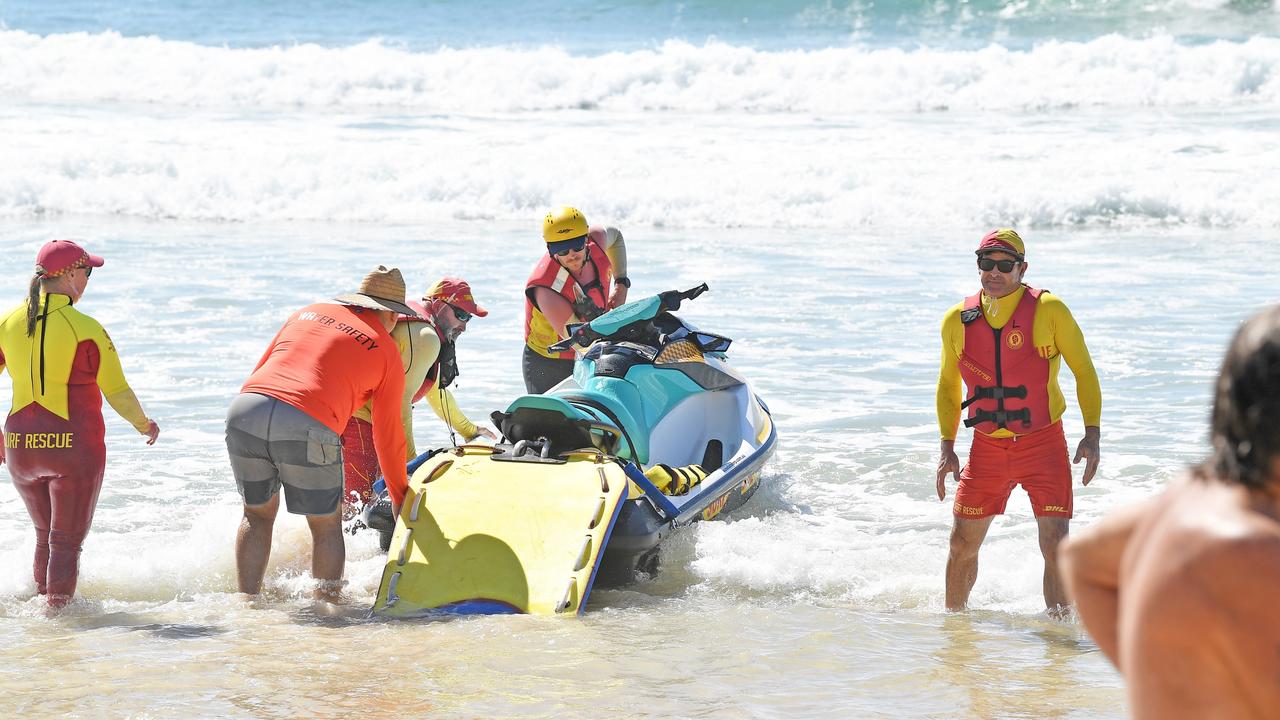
x=675 y=481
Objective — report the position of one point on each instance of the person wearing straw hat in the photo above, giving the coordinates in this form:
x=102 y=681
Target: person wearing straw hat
x=427 y=351
x=284 y=428
x=62 y=363
x=583 y=274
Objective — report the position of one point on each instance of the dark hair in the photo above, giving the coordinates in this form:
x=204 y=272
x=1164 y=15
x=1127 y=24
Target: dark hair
x=33 y=301
x=1245 y=425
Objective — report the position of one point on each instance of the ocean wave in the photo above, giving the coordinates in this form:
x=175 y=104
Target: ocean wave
x=676 y=77
x=1158 y=171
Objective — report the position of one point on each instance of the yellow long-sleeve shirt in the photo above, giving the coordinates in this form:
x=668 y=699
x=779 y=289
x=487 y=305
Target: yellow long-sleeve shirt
x=67 y=329
x=419 y=349
x=1056 y=336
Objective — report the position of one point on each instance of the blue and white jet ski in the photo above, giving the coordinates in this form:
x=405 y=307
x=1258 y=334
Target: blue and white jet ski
x=654 y=430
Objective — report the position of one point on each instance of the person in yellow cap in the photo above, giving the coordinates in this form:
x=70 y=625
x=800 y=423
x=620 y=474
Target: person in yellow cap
x=427 y=345
x=62 y=364
x=1007 y=342
x=583 y=274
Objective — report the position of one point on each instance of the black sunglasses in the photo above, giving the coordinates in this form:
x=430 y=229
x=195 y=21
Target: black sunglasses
x=1006 y=266
x=88 y=270
x=462 y=315
x=575 y=247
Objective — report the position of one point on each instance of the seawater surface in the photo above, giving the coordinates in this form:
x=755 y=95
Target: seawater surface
x=826 y=167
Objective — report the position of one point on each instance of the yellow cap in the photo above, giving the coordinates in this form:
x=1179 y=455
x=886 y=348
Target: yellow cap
x=1002 y=240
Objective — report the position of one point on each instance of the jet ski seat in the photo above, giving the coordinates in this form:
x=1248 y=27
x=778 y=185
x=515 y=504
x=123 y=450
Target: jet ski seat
x=567 y=418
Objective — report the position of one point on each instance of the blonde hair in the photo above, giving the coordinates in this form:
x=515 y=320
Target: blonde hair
x=33 y=300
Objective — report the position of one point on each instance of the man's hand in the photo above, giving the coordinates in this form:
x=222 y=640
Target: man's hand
x=947 y=463
x=483 y=432
x=618 y=297
x=1089 y=450
x=153 y=432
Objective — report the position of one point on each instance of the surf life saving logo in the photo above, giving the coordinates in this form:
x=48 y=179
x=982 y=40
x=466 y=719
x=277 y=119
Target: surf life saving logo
x=1015 y=339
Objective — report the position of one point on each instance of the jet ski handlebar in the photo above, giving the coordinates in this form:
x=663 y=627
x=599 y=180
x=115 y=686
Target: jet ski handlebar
x=630 y=314
x=671 y=299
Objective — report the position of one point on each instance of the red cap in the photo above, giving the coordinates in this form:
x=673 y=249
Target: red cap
x=58 y=256
x=457 y=293
x=1002 y=240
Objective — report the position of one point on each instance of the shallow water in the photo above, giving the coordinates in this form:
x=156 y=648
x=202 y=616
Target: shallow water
x=826 y=167
x=823 y=596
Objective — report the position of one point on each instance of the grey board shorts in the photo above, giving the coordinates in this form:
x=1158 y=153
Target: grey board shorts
x=272 y=443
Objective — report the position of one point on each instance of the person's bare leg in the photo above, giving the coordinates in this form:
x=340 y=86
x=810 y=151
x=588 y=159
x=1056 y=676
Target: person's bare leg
x=1053 y=530
x=328 y=554
x=962 y=560
x=253 y=544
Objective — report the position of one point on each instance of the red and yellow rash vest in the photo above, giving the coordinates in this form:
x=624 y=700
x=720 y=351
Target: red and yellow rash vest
x=588 y=303
x=57 y=398
x=327 y=361
x=1044 y=333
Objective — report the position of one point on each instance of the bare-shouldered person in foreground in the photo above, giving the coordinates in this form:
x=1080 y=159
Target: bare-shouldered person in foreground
x=1182 y=592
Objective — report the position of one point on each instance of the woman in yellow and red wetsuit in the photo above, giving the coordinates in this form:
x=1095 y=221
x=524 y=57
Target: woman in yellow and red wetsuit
x=427 y=345
x=62 y=363
x=583 y=274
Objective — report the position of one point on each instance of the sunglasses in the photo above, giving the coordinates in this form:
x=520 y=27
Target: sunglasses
x=88 y=270
x=575 y=247
x=1006 y=266
x=462 y=315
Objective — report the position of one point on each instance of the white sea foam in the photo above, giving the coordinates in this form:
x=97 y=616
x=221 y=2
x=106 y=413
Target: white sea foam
x=1111 y=71
x=1110 y=132
x=1079 y=168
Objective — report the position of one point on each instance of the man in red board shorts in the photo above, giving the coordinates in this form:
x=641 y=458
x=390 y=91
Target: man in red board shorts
x=1007 y=343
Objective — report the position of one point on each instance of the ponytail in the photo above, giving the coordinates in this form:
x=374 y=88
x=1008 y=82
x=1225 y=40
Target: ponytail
x=33 y=301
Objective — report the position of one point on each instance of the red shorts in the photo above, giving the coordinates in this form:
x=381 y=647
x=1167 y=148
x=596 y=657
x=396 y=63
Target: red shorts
x=359 y=463
x=1038 y=462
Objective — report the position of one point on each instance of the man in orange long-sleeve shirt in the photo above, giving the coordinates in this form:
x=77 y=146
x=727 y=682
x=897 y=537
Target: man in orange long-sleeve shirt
x=1007 y=342
x=285 y=427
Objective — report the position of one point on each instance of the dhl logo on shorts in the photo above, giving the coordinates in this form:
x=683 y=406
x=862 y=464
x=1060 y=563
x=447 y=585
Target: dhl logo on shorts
x=1015 y=340
x=39 y=441
x=959 y=509
x=1054 y=508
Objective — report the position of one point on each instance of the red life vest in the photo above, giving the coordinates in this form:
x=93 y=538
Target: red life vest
x=588 y=303
x=434 y=373
x=1007 y=379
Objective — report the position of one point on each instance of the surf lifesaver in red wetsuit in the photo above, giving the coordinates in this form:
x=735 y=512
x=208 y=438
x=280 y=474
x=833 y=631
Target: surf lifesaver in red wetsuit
x=54 y=434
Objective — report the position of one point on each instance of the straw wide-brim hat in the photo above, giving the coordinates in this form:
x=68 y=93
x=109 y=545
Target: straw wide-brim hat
x=382 y=289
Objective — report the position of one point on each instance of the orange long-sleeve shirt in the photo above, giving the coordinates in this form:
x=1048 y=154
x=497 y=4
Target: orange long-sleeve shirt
x=327 y=361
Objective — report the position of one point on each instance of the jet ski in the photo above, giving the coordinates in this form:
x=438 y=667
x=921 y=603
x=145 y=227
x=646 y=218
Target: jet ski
x=654 y=431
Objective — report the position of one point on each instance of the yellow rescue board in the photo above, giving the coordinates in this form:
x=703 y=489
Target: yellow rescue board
x=478 y=535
